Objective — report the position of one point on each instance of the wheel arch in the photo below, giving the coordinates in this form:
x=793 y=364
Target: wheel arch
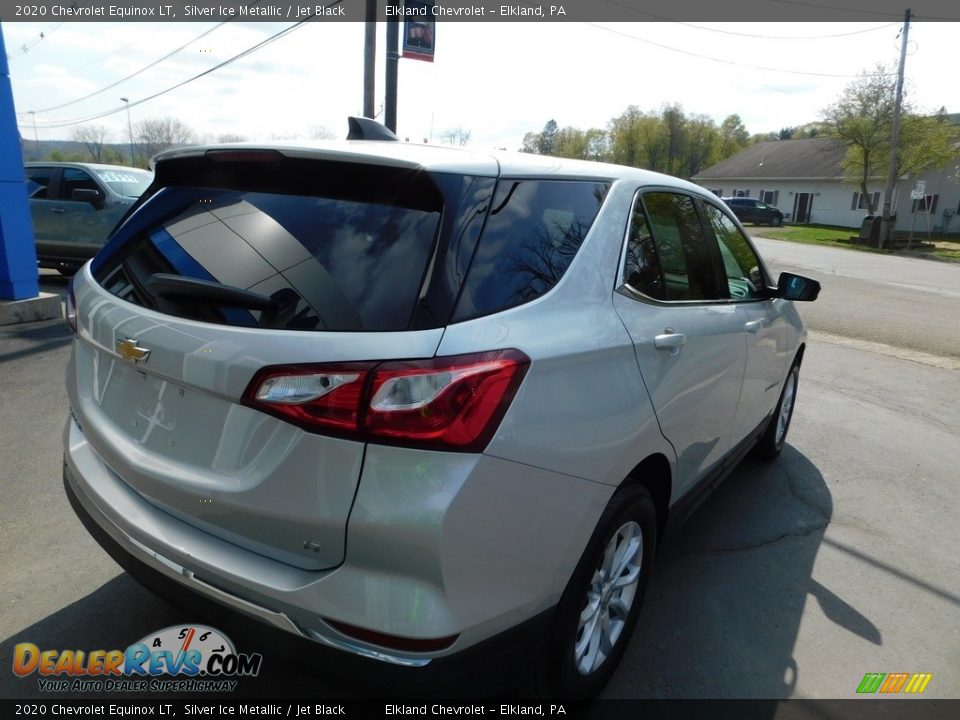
x=654 y=473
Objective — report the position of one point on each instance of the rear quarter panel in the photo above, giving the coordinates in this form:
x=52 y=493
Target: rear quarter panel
x=582 y=409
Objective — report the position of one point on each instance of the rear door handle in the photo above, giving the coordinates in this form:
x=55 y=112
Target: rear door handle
x=58 y=211
x=754 y=326
x=669 y=340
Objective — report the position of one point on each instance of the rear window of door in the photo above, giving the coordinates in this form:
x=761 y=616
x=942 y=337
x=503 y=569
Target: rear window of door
x=39 y=180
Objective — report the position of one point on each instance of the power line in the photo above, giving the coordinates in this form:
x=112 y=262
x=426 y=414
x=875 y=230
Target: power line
x=25 y=48
x=721 y=60
x=138 y=72
x=238 y=56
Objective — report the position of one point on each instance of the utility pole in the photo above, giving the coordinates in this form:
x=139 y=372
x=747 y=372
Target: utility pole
x=369 y=57
x=393 y=60
x=36 y=140
x=130 y=130
x=886 y=228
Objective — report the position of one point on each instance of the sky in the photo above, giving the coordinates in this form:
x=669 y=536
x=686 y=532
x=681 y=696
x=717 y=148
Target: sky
x=496 y=80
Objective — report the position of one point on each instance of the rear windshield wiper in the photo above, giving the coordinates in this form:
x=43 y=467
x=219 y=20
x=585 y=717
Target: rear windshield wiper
x=177 y=286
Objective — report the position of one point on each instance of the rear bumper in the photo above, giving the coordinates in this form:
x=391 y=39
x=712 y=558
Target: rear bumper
x=490 y=658
x=444 y=571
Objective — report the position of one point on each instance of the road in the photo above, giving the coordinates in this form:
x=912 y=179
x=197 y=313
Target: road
x=793 y=580
x=904 y=302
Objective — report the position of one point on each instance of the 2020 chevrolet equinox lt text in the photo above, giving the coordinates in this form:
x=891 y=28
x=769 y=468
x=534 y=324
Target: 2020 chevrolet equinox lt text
x=400 y=399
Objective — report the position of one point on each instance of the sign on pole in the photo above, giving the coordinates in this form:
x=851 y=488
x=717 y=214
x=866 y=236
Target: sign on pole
x=419 y=29
x=919 y=191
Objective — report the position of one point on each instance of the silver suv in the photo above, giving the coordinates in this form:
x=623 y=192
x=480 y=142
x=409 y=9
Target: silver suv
x=403 y=399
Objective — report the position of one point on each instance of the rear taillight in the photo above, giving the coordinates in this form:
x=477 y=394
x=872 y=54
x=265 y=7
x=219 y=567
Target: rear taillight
x=450 y=403
x=453 y=403
x=70 y=310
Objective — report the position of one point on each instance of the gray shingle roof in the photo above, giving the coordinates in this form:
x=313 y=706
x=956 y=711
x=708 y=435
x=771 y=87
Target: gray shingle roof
x=809 y=158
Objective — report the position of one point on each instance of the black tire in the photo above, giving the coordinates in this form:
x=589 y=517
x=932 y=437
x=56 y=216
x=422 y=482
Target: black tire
x=558 y=674
x=772 y=441
x=777 y=221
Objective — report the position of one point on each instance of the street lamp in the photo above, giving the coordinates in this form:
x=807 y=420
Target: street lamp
x=36 y=141
x=129 y=128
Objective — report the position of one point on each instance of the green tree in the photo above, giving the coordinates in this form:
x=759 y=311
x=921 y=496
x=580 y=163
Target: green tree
x=548 y=138
x=862 y=120
x=733 y=136
x=703 y=145
x=581 y=144
x=543 y=142
x=639 y=139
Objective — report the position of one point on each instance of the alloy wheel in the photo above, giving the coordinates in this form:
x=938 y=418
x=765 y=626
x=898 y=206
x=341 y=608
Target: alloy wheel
x=610 y=596
x=786 y=407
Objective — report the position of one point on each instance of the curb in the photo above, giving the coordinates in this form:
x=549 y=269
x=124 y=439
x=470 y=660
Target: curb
x=43 y=307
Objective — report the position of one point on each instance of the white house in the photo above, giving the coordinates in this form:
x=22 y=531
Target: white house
x=804 y=179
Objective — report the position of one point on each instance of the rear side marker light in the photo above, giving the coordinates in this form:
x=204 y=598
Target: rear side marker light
x=447 y=403
x=393 y=642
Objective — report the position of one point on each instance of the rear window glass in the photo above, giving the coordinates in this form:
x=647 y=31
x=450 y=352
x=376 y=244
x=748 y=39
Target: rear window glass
x=128 y=182
x=533 y=232
x=325 y=263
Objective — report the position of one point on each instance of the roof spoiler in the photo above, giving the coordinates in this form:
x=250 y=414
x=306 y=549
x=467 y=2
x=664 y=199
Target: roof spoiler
x=362 y=128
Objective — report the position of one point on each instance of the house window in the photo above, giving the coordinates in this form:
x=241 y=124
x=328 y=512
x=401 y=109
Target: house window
x=718 y=192
x=927 y=205
x=860 y=201
x=770 y=197
x=741 y=193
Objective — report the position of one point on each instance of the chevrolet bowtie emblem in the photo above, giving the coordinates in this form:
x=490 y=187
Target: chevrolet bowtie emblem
x=129 y=350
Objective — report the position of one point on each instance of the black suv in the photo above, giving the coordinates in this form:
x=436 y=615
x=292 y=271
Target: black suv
x=754 y=211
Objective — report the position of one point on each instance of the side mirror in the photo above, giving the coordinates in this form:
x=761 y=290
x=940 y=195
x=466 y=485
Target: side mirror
x=797 y=287
x=87 y=195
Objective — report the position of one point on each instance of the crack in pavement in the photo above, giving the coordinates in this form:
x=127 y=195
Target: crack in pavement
x=822 y=512
x=805 y=532
x=870 y=403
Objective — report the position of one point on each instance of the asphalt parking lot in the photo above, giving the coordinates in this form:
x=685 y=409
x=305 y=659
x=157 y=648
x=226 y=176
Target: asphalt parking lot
x=793 y=580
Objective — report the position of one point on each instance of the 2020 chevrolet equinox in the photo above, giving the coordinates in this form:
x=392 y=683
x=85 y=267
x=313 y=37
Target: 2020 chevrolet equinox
x=400 y=399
